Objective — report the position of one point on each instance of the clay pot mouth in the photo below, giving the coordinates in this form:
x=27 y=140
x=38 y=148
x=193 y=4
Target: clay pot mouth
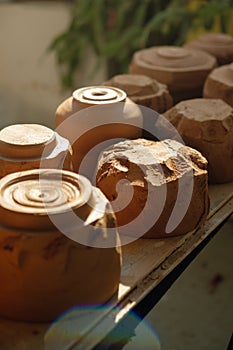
x=99 y=95
x=26 y=141
x=33 y=196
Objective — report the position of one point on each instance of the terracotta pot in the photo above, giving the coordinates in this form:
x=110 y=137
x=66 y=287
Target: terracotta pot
x=219 y=84
x=51 y=236
x=207 y=125
x=143 y=90
x=110 y=115
x=31 y=146
x=157 y=189
x=220 y=45
x=182 y=70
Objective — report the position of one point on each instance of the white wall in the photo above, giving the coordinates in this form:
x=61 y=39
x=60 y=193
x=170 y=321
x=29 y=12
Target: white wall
x=30 y=88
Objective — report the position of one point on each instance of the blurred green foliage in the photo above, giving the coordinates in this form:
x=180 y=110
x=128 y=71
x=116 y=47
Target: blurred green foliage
x=115 y=29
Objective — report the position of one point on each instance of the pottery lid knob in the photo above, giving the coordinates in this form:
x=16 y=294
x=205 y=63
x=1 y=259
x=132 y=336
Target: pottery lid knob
x=173 y=52
x=95 y=95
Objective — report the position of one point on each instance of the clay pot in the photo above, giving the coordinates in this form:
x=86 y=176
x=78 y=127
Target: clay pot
x=207 y=125
x=51 y=236
x=182 y=70
x=220 y=45
x=143 y=90
x=110 y=115
x=31 y=146
x=219 y=84
x=157 y=189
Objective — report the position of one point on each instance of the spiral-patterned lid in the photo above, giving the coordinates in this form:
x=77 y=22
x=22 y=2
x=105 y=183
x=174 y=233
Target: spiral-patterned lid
x=30 y=199
x=26 y=140
x=173 y=58
x=97 y=95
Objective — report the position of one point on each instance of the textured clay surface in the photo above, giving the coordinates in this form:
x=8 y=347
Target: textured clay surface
x=143 y=178
x=207 y=125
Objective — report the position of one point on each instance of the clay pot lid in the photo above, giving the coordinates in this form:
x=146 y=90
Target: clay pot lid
x=98 y=95
x=172 y=58
x=26 y=141
x=33 y=198
x=204 y=109
x=223 y=74
x=135 y=84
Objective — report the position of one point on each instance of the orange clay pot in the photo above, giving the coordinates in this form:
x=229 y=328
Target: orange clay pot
x=219 y=84
x=51 y=236
x=183 y=70
x=220 y=45
x=110 y=115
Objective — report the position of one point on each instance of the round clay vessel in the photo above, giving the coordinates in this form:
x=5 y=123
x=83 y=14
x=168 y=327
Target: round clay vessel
x=220 y=45
x=219 y=84
x=183 y=70
x=149 y=184
x=111 y=115
x=143 y=90
x=31 y=146
x=207 y=125
x=51 y=236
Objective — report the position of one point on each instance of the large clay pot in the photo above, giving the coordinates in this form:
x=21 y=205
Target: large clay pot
x=110 y=116
x=53 y=225
x=220 y=45
x=157 y=189
x=219 y=84
x=182 y=70
x=31 y=146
